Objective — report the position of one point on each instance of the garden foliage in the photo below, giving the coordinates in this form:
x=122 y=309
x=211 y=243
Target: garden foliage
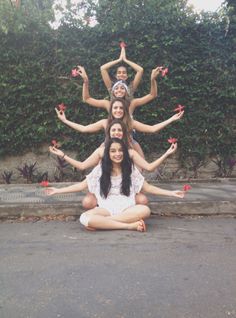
x=199 y=50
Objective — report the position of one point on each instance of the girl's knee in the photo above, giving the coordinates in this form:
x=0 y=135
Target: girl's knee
x=84 y=219
x=89 y=202
x=141 y=199
x=145 y=211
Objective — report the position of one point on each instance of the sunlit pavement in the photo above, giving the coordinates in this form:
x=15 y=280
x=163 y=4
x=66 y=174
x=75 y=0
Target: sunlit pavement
x=181 y=267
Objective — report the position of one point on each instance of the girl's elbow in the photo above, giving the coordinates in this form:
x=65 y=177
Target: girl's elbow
x=86 y=99
x=83 y=130
x=150 y=168
x=80 y=166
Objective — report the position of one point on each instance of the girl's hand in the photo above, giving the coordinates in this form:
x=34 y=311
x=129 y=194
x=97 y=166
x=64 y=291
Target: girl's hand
x=155 y=72
x=56 y=151
x=178 y=194
x=51 y=191
x=178 y=116
x=172 y=149
x=61 y=115
x=82 y=72
x=123 y=54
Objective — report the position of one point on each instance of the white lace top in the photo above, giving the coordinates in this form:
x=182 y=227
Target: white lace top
x=116 y=202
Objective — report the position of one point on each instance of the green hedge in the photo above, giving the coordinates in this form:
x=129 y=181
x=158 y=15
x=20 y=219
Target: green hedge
x=199 y=51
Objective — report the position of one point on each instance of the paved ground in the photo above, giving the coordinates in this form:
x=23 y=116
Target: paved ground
x=205 y=198
x=180 y=268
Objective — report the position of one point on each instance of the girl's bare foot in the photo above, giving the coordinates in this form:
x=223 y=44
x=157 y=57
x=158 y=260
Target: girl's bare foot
x=138 y=226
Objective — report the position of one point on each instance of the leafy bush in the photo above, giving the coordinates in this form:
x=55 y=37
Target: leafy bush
x=198 y=49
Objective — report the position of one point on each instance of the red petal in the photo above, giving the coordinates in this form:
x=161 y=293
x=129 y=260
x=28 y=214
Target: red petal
x=74 y=72
x=172 y=140
x=187 y=187
x=54 y=143
x=164 y=72
x=44 y=183
x=62 y=107
x=179 y=108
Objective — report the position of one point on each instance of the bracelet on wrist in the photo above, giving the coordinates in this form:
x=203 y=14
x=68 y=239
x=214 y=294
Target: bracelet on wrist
x=63 y=156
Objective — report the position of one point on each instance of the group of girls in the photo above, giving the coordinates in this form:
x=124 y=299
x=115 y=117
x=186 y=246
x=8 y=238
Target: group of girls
x=115 y=199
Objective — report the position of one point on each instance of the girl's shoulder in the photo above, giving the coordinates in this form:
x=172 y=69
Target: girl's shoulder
x=95 y=173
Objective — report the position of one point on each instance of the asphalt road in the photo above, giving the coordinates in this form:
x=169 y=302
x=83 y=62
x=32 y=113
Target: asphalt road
x=180 y=268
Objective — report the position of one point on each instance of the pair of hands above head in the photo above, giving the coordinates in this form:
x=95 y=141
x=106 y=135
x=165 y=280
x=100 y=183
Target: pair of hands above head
x=122 y=54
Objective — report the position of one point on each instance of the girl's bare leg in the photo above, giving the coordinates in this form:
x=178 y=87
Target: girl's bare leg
x=133 y=214
x=89 y=201
x=141 y=198
x=98 y=219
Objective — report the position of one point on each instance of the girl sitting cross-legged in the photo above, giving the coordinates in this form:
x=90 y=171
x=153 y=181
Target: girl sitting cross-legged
x=114 y=183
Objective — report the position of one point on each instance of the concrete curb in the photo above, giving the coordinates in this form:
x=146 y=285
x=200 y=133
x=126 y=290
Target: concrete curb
x=205 y=198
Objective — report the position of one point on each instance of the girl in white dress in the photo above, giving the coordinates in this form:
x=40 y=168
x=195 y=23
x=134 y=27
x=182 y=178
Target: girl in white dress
x=115 y=183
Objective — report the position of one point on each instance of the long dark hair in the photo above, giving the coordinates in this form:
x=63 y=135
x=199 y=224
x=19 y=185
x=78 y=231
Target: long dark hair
x=126 y=169
x=125 y=138
x=126 y=118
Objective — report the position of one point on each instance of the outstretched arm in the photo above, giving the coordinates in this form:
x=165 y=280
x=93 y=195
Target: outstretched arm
x=158 y=191
x=101 y=124
x=91 y=161
x=152 y=94
x=143 y=164
x=100 y=103
x=155 y=128
x=138 y=69
x=73 y=188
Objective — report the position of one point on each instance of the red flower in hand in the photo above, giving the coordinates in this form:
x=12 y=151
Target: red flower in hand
x=74 y=72
x=187 y=187
x=164 y=72
x=179 y=108
x=61 y=107
x=122 y=44
x=172 y=140
x=55 y=143
x=44 y=183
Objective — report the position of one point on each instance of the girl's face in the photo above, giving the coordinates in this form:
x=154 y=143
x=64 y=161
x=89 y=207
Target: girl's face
x=119 y=91
x=118 y=110
x=121 y=73
x=116 y=153
x=116 y=131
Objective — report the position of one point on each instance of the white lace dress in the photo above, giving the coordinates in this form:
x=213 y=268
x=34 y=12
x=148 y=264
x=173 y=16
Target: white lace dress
x=115 y=202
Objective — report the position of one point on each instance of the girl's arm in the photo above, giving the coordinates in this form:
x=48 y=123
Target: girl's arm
x=138 y=69
x=155 y=128
x=73 y=188
x=158 y=191
x=91 y=161
x=100 y=103
x=149 y=97
x=101 y=124
x=105 y=74
x=143 y=164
